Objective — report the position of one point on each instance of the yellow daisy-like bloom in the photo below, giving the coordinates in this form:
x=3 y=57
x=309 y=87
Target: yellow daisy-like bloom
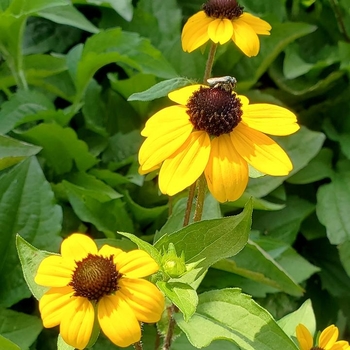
x=87 y=283
x=221 y=21
x=327 y=340
x=214 y=131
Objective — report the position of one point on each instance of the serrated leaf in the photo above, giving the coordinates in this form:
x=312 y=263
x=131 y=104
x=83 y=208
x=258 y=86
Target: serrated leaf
x=21 y=105
x=30 y=258
x=20 y=328
x=211 y=240
x=232 y=315
x=160 y=90
x=27 y=207
x=13 y=151
x=182 y=295
x=332 y=208
x=61 y=147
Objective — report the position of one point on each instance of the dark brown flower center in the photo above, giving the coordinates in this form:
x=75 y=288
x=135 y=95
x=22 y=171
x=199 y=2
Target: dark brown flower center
x=94 y=277
x=223 y=9
x=214 y=110
x=316 y=348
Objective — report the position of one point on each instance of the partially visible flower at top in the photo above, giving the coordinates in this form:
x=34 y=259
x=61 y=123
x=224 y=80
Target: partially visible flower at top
x=327 y=340
x=217 y=132
x=220 y=21
x=87 y=283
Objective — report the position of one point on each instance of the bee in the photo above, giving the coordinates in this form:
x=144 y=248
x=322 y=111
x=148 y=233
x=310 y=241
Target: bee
x=226 y=83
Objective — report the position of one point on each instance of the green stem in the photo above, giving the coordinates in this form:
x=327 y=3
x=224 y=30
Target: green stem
x=339 y=18
x=201 y=186
x=171 y=326
x=189 y=204
x=210 y=62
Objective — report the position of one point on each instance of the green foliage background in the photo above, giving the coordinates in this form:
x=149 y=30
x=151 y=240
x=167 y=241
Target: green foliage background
x=69 y=139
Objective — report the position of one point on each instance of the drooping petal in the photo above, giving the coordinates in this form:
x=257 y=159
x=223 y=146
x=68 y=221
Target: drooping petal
x=185 y=166
x=328 y=337
x=168 y=118
x=270 y=119
x=245 y=38
x=181 y=96
x=53 y=303
x=195 y=31
x=263 y=153
x=259 y=25
x=136 y=264
x=107 y=251
x=77 y=246
x=226 y=172
x=77 y=323
x=118 y=321
x=144 y=298
x=156 y=148
x=54 y=271
x=220 y=30
x=304 y=337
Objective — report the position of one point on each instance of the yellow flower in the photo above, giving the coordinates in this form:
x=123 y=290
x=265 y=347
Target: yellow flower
x=327 y=340
x=220 y=21
x=87 y=283
x=214 y=131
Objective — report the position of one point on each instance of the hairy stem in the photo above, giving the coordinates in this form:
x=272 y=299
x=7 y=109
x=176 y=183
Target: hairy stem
x=171 y=326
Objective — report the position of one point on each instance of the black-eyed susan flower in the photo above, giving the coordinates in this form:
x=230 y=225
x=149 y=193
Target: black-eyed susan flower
x=87 y=283
x=221 y=21
x=327 y=340
x=215 y=131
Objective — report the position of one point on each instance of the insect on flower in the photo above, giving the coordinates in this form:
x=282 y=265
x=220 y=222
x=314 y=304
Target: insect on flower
x=226 y=83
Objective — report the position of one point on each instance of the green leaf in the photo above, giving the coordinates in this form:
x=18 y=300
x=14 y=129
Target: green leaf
x=182 y=295
x=62 y=345
x=7 y=344
x=159 y=90
x=108 y=217
x=150 y=249
x=13 y=151
x=294 y=145
x=20 y=328
x=256 y=264
x=27 y=207
x=126 y=49
x=30 y=258
x=229 y=314
x=68 y=15
x=209 y=241
x=332 y=207
x=344 y=254
x=305 y=315
x=61 y=147
x=21 y=105
x=25 y=8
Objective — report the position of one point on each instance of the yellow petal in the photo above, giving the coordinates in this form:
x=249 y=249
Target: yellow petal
x=107 y=251
x=245 y=38
x=220 y=30
x=185 y=166
x=77 y=323
x=195 y=31
x=144 y=298
x=168 y=118
x=340 y=345
x=118 y=321
x=53 y=305
x=328 y=337
x=77 y=246
x=226 y=172
x=270 y=119
x=156 y=148
x=244 y=100
x=260 y=151
x=54 y=271
x=304 y=337
x=136 y=264
x=181 y=96
x=259 y=25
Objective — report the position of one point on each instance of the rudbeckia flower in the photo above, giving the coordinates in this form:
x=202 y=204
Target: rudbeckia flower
x=221 y=21
x=327 y=340
x=87 y=284
x=215 y=131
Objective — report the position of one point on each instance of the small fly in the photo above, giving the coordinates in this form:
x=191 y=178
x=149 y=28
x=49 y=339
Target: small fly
x=226 y=83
